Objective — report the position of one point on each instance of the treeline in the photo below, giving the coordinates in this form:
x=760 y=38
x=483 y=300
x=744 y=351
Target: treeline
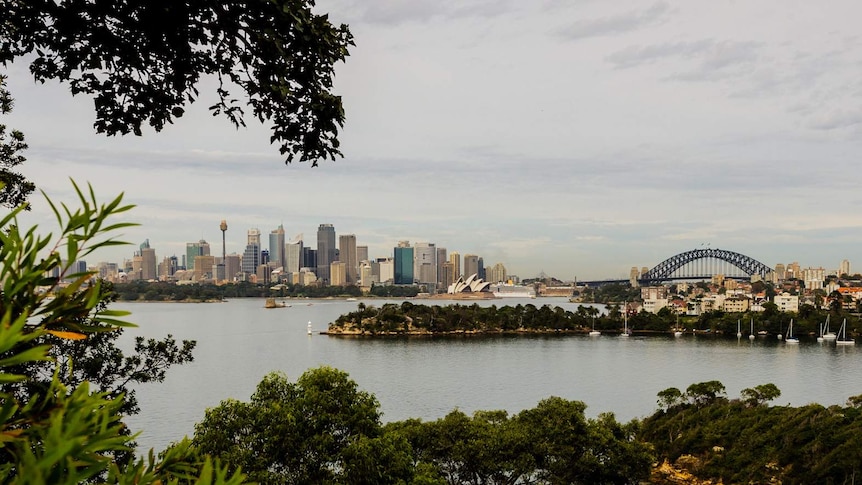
x=164 y=291
x=745 y=441
x=323 y=429
x=407 y=318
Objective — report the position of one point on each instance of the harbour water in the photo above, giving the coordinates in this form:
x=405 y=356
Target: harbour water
x=240 y=341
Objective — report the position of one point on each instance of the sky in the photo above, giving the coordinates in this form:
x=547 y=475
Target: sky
x=574 y=138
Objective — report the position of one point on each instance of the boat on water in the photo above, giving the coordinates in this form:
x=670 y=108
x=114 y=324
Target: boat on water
x=309 y=328
x=791 y=339
x=594 y=332
x=351 y=299
x=827 y=335
x=625 y=321
x=842 y=335
x=738 y=329
x=751 y=331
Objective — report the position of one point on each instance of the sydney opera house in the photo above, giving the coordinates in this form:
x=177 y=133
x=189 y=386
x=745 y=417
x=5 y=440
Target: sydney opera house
x=471 y=286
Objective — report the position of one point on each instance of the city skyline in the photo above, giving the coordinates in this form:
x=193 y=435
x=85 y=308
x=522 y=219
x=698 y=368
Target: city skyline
x=575 y=139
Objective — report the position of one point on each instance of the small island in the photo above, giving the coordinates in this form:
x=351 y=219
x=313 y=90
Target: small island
x=409 y=319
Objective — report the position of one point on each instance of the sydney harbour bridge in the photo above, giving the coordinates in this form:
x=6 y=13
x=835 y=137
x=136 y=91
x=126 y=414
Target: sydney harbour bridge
x=698 y=264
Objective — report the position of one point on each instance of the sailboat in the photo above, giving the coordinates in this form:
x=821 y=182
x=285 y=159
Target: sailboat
x=790 y=338
x=625 y=321
x=738 y=329
x=594 y=332
x=820 y=335
x=827 y=335
x=751 y=332
x=843 y=340
x=309 y=328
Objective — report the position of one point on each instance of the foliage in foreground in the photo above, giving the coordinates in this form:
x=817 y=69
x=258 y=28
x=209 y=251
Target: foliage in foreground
x=56 y=432
x=322 y=429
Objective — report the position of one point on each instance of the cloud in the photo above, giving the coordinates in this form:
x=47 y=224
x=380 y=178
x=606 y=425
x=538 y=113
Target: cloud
x=396 y=12
x=836 y=120
x=636 y=55
x=615 y=24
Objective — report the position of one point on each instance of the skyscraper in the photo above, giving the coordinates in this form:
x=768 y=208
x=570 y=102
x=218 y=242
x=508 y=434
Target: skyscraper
x=425 y=264
x=200 y=248
x=403 y=259
x=471 y=265
x=455 y=259
x=148 y=262
x=325 y=250
x=276 y=247
x=362 y=254
x=293 y=255
x=251 y=255
x=441 y=275
x=347 y=255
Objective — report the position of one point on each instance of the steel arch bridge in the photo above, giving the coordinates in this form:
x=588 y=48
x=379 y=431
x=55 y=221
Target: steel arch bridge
x=705 y=263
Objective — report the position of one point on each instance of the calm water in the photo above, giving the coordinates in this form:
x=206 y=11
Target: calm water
x=240 y=341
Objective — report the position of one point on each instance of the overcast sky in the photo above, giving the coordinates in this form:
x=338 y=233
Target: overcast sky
x=578 y=138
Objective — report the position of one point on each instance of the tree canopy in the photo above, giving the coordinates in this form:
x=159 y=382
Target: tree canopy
x=142 y=62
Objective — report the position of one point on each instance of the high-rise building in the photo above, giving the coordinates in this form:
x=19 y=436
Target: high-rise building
x=293 y=255
x=254 y=236
x=232 y=266
x=425 y=264
x=441 y=259
x=481 y=263
x=844 y=268
x=403 y=264
x=385 y=270
x=251 y=258
x=455 y=259
x=497 y=274
x=471 y=265
x=200 y=248
x=347 y=255
x=447 y=274
x=362 y=254
x=325 y=251
x=309 y=259
x=148 y=264
x=204 y=267
x=276 y=247
x=780 y=272
x=338 y=273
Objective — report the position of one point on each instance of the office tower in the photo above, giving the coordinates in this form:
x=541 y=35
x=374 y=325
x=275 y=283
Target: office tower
x=366 y=277
x=385 y=268
x=204 y=267
x=263 y=275
x=148 y=263
x=325 y=251
x=793 y=271
x=471 y=265
x=338 y=273
x=455 y=259
x=200 y=248
x=447 y=275
x=293 y=255
x=276 y=247
x=403 y=264
x=441 y=260
x=425 y=264
x=481 y=263
x=844 y=268
x=634 y=277
x=497 y=274
x=253 y=236
x=137 y=271
x=232 y=266
x=780 y=272
x=362 y=254
x=309 y=259
x=251 y=258
x=347 y=255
